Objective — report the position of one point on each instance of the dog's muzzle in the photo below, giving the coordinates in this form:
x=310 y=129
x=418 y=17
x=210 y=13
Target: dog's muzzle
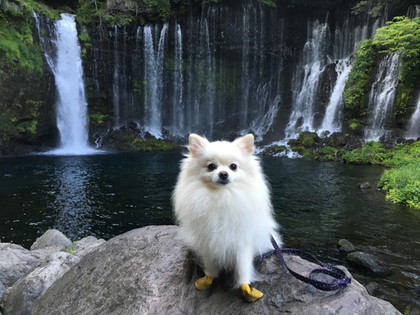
x=223 y=178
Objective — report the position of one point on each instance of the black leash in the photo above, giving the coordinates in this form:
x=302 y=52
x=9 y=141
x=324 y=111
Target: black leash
x=341 y=279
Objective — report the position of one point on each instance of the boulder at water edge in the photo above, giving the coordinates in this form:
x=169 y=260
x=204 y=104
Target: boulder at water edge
x=147 y=271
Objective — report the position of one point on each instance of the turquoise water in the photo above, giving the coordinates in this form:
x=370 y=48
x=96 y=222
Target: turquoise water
x=316 y=204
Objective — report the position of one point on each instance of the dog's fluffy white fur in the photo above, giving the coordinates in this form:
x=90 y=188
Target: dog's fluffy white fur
x=222 y=204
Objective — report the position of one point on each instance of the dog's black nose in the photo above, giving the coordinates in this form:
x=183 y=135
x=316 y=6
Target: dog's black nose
x=223 y=175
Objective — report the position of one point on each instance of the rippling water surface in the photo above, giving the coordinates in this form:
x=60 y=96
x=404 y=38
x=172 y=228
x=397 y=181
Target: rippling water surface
x=316 y=204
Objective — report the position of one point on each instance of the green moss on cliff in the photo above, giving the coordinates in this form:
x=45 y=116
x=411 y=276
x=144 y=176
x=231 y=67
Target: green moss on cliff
x=21 y=65
x=401 y=35
x=357 y=86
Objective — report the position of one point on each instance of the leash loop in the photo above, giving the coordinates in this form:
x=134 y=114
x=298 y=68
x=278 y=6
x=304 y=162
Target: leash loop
x=341 y=279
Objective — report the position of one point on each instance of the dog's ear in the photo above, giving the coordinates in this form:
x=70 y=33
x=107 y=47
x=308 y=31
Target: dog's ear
x=196 y=144
x=246 y=143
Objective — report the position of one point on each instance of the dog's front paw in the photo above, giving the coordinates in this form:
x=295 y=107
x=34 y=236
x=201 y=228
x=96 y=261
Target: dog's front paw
x=251 y=294
x=203 y=283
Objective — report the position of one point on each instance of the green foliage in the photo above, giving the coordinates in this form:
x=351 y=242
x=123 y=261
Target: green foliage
x=97 y=118
x=91 y=11
x=72 y=248
x=402 y=184
x=18 y=119
x=357 y=85
x=371 y=152
x=273 y=150
x=163 y=7
x=17 y=45
x=270 y=3
x=403 y=154
x=402 y=35
x=374 y=8
x=354 y=123
x=84 y=37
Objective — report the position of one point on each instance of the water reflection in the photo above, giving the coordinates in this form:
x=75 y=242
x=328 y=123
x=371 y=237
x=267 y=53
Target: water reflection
x=73 y=196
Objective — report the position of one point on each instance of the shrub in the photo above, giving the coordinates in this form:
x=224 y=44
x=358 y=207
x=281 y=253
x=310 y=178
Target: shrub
x=372 y=152
x=402 y=184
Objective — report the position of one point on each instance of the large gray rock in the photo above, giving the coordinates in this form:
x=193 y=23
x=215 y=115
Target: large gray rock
x=147 y=271
x=27 y=289
x=15 y=262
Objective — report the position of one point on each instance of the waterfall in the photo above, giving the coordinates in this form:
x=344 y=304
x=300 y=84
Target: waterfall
x=332 y=118
x=229 y=69
x=178 y=119
x=116 y=79
x=153 y=75
x=245 y=78
x=382 y=96
x=66 y=66
x=413 y=130
x=305 y=87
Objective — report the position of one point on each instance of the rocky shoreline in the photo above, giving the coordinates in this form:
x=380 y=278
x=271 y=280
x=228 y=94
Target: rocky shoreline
x=149 y=270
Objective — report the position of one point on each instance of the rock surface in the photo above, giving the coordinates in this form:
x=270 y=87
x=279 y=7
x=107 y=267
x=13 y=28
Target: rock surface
x=368 y=261
x=15 y=262
x=26 y=274
x=52 y=239
x=148 y=271
x=30 y=287
x=345 y=246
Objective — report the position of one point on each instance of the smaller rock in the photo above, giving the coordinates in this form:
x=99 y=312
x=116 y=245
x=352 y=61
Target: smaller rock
x=364 y=185
x=15 y=262
x=33 y=285
x=371 y=287
x=368 y=261
x=52 y=238
x=344 y=246
x=86 y=245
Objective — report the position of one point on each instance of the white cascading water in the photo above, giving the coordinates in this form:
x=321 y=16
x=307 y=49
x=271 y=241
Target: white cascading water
x=178 y=120
x=345 y=41
x=68 y=74
x=332 y=119
x=115 y=79
x=260 y=95
x=154 y=55
x=382 y=97
x=302 y=115
x=413 y=131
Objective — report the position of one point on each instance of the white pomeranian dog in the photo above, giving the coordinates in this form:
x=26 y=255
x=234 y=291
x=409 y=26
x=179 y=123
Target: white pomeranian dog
x=222 y=204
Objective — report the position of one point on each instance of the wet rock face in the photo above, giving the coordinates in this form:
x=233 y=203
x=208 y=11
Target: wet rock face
x=368 y=262
x=149 y=270
x=344 y=246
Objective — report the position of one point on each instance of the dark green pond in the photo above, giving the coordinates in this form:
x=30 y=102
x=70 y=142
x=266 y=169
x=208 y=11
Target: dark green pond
x=316 y=204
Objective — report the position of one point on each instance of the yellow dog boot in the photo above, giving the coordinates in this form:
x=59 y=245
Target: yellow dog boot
x=251 y=294
x=203 y=283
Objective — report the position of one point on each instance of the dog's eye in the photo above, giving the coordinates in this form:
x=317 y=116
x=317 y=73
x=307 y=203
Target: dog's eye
x=211 y=167
x=233 y=166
